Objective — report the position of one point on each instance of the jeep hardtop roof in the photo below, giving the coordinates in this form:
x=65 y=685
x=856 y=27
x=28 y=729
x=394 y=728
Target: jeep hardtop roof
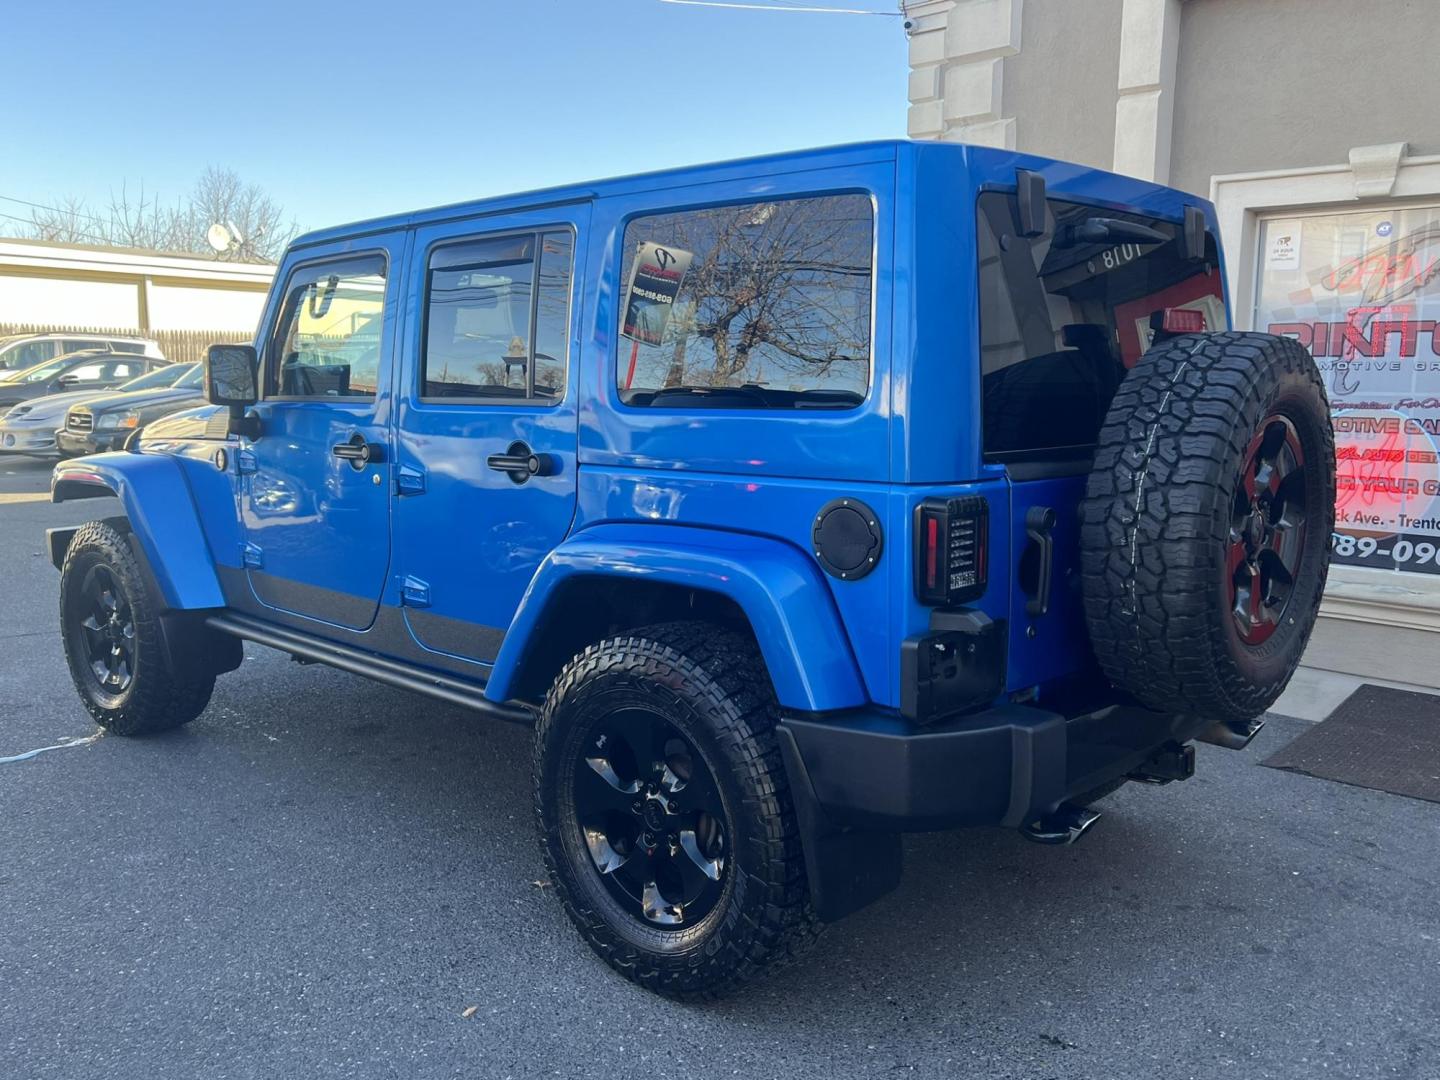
x=997 y=165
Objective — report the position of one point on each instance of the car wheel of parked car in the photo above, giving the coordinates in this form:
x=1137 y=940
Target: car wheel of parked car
x=1205 y=530
x=111 y=631
x=664 y=812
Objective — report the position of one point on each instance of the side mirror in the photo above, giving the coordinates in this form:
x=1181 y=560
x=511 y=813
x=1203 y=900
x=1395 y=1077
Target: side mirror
x=67 y=380
x=231 y=376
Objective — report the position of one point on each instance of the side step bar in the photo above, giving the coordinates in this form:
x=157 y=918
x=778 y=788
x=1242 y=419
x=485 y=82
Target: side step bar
x=358 y=662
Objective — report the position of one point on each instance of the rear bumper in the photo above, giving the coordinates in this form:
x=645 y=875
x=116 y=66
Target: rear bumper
x=1006 y=765
x=860 y=778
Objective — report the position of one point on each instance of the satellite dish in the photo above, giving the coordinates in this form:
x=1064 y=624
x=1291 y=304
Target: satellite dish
x=219 y=238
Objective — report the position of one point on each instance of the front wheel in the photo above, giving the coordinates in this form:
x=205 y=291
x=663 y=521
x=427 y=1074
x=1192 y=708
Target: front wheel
x=664 y=810
x=111 y=629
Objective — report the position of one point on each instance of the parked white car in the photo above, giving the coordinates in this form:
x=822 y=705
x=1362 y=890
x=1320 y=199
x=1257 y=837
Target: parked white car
x=19 y=351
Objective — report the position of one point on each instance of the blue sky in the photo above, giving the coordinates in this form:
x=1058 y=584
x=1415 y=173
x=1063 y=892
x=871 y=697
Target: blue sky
x=352 y=108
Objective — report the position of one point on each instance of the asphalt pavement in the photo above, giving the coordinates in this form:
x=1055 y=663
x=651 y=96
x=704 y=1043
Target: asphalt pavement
x=322 y=877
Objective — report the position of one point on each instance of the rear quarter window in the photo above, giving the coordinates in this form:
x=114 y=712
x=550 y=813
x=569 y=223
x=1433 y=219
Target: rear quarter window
x=764 y=305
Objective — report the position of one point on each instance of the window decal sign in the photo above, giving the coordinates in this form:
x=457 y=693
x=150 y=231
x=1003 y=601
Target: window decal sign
x=1362 y=293
x=655 y=282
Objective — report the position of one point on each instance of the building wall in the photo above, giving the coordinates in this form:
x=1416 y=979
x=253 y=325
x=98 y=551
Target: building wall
x=46 y=299
x=1288 y=83
x=44 y=283
x=204 y=307
x=1061 y=84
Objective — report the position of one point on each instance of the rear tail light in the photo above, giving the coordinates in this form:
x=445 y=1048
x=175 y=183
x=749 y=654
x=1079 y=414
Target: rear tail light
x=1172 y=320
x=951 y=541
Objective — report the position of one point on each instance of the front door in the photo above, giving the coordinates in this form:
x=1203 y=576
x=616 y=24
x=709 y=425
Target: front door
x=486 y=422
x=315 y=501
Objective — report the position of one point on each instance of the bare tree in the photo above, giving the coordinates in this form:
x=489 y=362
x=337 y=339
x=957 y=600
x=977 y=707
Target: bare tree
x=256 y=221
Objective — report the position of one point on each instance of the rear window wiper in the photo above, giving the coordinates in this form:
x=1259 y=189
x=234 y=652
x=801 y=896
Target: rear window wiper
x=1103 y=230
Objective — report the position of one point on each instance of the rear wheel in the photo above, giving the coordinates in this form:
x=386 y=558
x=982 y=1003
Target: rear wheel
x=664 y=811
x=1206 y=525
x=110 y=627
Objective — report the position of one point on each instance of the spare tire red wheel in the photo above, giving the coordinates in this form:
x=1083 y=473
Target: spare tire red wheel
x=1205 y=530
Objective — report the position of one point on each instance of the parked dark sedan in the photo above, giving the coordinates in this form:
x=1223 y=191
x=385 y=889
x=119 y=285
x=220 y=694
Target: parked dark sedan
x=92 y=369
x=104 y=423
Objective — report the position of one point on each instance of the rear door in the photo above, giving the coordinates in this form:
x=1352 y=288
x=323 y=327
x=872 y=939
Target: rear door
x=486 y=422
x=315 y=501
x=1061 y=323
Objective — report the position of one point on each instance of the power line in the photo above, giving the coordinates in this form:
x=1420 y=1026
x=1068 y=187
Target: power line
x=55 y=209
x=796 y=9
x=85 y=235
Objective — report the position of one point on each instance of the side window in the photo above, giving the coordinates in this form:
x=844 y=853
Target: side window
x=30 y=354
x=327 y=341
x=76 y=345
x=88 y=372
x=765 y=306
x=497 y=316
x=127 y=347
x=121 y=369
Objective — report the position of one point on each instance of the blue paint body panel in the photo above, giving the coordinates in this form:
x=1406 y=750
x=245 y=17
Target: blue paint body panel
x=809 y=659
x=162 y=513
x=720 y=500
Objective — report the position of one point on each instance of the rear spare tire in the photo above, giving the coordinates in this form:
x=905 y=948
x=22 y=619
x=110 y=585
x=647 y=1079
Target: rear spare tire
x=1205 y=529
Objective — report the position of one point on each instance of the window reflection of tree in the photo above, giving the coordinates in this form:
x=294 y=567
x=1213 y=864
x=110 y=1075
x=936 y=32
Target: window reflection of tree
x=778 y=294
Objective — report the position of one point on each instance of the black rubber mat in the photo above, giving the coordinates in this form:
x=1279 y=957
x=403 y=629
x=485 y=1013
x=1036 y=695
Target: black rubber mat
x=1379 y=738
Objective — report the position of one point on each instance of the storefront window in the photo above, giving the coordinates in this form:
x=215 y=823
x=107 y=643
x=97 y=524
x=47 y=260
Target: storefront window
x=1361 y=290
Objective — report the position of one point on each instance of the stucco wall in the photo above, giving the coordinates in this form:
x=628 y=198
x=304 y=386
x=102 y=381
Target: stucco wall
x=1285 y=83
x=1061 y=85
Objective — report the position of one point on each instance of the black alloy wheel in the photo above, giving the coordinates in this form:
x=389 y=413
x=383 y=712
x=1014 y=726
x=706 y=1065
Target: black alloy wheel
x=106 y=630
x=652 y=819
x=128 y=680
x=1267 y=529
x=664 y=809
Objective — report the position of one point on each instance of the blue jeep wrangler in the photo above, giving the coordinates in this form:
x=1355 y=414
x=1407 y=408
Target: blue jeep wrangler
x=797 y=502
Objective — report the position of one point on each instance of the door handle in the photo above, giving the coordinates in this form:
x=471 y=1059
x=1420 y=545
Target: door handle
x=521 y=463
x=358 y=452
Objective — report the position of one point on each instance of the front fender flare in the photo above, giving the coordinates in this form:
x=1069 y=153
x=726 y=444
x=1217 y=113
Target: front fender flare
x=781 y=592
x=156 y=497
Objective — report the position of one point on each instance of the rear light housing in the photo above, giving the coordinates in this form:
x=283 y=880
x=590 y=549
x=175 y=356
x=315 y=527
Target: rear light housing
x=1170 y=321
x=952 y=539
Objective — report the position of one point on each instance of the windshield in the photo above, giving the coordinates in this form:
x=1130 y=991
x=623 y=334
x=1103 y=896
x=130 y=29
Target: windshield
x=151 y=380
x=192 y=379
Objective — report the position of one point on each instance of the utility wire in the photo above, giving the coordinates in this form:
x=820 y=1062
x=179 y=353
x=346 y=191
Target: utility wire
x=55 y=209
x=777 y=7
x=88 y=236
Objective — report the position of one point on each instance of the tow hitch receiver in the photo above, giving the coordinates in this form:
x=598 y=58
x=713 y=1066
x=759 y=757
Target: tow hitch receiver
x=1064 y=826
x=1173 y=761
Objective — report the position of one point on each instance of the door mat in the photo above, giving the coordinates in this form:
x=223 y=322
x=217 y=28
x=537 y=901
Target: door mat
x=1379 y=738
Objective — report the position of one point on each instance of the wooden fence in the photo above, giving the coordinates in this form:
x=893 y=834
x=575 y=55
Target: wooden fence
x=179 y=346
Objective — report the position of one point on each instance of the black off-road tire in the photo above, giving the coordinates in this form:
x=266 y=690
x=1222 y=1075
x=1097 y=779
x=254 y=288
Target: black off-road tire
x=1157 y=522
x=157 y=697
x=711 y=685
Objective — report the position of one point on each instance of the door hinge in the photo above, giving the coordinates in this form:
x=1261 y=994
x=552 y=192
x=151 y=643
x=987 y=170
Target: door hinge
x=409 y=481
x=245 y=461
x=414 y=592
x=251 y=556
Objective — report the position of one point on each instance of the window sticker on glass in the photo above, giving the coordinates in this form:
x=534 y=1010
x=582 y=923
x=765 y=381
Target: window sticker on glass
x=655 y=282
